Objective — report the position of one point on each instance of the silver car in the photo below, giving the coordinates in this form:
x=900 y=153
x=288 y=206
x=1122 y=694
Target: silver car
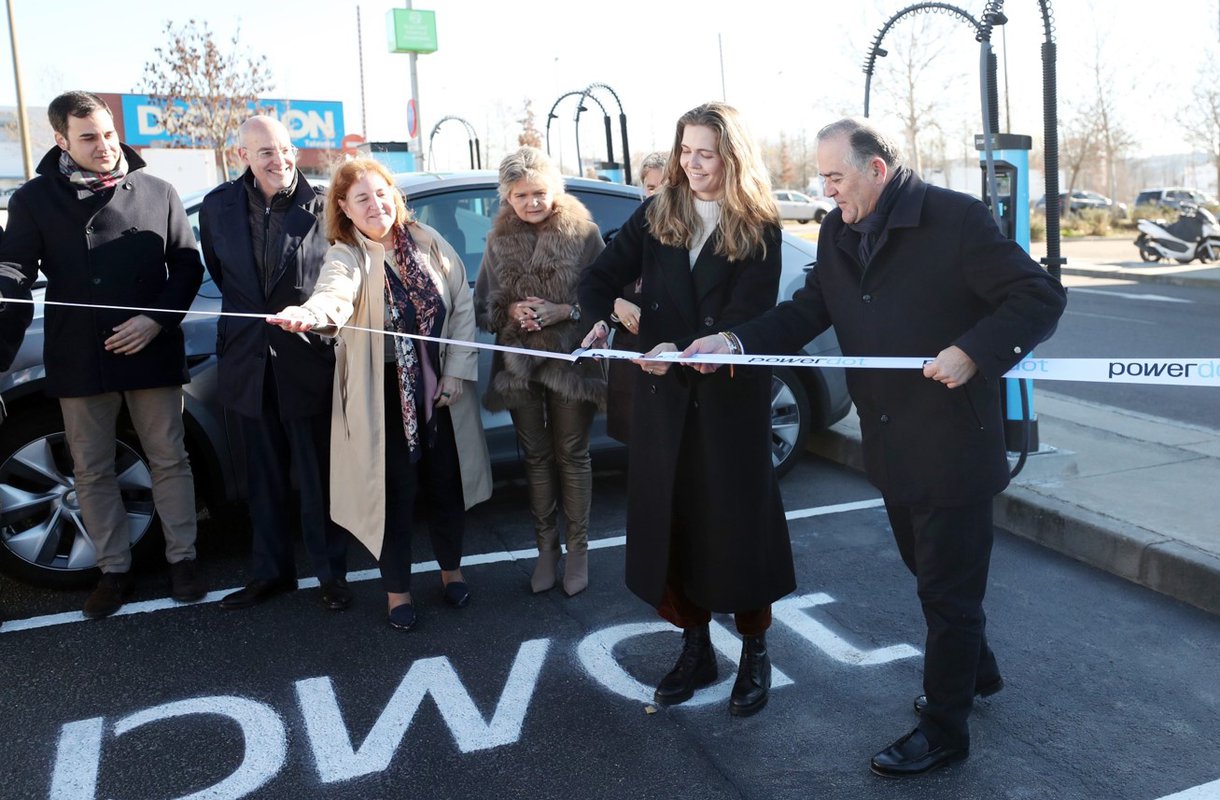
x=42 y=536
x=801 y=207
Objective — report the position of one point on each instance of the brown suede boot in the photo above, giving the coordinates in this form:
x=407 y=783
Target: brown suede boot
x=576 y=570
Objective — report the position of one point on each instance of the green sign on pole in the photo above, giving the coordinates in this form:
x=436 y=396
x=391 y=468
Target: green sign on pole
x=411 y=31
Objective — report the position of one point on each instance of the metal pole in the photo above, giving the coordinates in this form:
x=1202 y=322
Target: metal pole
x=622 y=124
x=364 y=123
x=724 y=95
x=419 y=116
x=23 y=121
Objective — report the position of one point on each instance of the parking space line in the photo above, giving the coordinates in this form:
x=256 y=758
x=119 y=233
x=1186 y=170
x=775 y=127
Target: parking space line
x=1207 y=791
x=479 y=559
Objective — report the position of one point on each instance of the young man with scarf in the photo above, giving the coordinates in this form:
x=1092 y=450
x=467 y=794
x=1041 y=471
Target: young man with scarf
x=104 y=233
x=907 y=269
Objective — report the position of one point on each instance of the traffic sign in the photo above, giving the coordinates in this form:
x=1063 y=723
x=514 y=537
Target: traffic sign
x=412 y=119
x=350 y=142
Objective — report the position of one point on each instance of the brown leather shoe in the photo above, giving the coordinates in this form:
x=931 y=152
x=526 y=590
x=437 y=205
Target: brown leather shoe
x=112 y=590
x=185 y=584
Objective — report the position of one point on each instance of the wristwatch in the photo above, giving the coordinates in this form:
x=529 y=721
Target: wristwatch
x=574 y=314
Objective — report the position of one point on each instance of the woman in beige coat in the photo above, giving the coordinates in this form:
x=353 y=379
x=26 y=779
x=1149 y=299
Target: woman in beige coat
x=405 y=419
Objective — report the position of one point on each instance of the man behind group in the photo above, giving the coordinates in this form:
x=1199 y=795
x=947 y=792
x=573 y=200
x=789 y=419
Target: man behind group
x=105 y=233
x=906 y=269
x=263 y=243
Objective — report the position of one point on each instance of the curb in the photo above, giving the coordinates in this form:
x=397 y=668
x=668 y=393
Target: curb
x=1128 y=551
x=1141 y=277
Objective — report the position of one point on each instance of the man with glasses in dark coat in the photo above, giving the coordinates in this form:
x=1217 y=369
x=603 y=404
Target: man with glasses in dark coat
x=263 y=243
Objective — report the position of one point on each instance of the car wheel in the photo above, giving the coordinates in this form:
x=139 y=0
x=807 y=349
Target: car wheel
x=802 y=221
x=790 y=419
x=42 y=534
x=819 y=216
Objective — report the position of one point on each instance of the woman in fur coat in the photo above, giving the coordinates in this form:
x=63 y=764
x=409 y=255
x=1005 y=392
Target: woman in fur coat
x=540 y=241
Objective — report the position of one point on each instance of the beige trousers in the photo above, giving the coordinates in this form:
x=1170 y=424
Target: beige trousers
x=89 y=425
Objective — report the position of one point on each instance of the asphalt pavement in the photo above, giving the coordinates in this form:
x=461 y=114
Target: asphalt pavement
x=1126 y=492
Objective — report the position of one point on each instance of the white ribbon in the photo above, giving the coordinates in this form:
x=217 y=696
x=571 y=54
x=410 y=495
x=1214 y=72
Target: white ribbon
x=1203 y=371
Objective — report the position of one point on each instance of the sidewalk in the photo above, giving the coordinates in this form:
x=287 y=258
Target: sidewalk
x=1126 y=492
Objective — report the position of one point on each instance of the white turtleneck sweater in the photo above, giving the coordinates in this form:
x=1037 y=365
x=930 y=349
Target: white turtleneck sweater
x=709 y=217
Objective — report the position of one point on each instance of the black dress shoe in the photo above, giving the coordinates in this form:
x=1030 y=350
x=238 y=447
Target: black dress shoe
x=403 y=617
x=457 y=594
x=335 y=595
x=912 y=755
x=986 y=690
x=257 y=591
x=696 y=668
x=753 y=677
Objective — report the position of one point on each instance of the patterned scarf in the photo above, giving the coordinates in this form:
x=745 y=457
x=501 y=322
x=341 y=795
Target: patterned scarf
x=93 y=181
x=416 y=307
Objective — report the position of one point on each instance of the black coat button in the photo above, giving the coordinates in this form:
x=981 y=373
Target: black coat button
x=655 y=306
x=96 y=281
x=868 y=298
x=885 y=418
x=652 y=388
x=89 y=229
x=708 y=322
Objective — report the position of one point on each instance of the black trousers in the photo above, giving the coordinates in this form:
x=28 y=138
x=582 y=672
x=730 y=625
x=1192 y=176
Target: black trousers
x=949 y=552
x=437 y=476
x=276 y=447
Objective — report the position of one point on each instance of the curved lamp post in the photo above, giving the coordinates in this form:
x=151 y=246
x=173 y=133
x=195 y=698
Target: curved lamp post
x=472 y=141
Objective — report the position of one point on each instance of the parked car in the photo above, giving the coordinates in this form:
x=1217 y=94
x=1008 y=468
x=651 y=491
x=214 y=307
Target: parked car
x=802 y=207
x=1173 y=197
x=1081 y=200
x=42 y=537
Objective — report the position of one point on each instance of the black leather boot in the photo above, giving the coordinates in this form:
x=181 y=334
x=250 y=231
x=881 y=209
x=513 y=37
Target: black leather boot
x=753 y=677
x=695 y=669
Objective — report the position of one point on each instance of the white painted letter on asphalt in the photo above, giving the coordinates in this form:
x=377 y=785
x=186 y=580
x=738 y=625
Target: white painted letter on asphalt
x=337 y=760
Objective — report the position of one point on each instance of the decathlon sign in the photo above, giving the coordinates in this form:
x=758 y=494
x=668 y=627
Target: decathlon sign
x=312 y=124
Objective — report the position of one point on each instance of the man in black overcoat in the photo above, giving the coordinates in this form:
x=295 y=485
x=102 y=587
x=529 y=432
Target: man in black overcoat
x=263 y=244
x=110 y=237
x=907 y=269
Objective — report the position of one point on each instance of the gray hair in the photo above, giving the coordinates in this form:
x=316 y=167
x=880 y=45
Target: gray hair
x=655 y=160
x=865 y=141
x=529 y=163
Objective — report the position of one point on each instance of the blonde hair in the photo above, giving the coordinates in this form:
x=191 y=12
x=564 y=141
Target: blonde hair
x=338 y=227
x=747 y=208
x=529 y=164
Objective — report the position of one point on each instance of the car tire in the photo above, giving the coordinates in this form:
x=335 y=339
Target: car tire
x=42 y=535
x=802 y=222
x=819 y=216
x=790 y=419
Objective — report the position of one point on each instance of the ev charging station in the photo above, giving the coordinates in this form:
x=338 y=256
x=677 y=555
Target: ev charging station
x=1010 y=153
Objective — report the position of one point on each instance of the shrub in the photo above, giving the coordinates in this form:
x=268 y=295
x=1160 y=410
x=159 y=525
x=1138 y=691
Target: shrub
x=1094 y=221
x=1037 y=227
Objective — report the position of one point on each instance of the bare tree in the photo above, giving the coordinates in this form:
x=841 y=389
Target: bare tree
x=914 y=80
x=529 y=128
x=204 y=92
x=787 y=170
x=1113 y=139
x=1078 y=143
x=1201 y=119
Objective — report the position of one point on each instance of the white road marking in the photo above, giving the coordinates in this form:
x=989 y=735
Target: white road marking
x=1109 y=316
x=166 y=603
x=1207 y=791
x=1156 y=298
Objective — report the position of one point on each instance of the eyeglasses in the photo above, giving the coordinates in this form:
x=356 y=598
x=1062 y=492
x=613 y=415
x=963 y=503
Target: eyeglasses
x=268 y=153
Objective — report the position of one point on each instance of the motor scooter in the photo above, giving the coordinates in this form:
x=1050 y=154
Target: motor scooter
x=1196 y=234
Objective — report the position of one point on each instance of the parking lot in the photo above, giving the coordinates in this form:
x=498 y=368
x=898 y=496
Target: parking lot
x=546 y=696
